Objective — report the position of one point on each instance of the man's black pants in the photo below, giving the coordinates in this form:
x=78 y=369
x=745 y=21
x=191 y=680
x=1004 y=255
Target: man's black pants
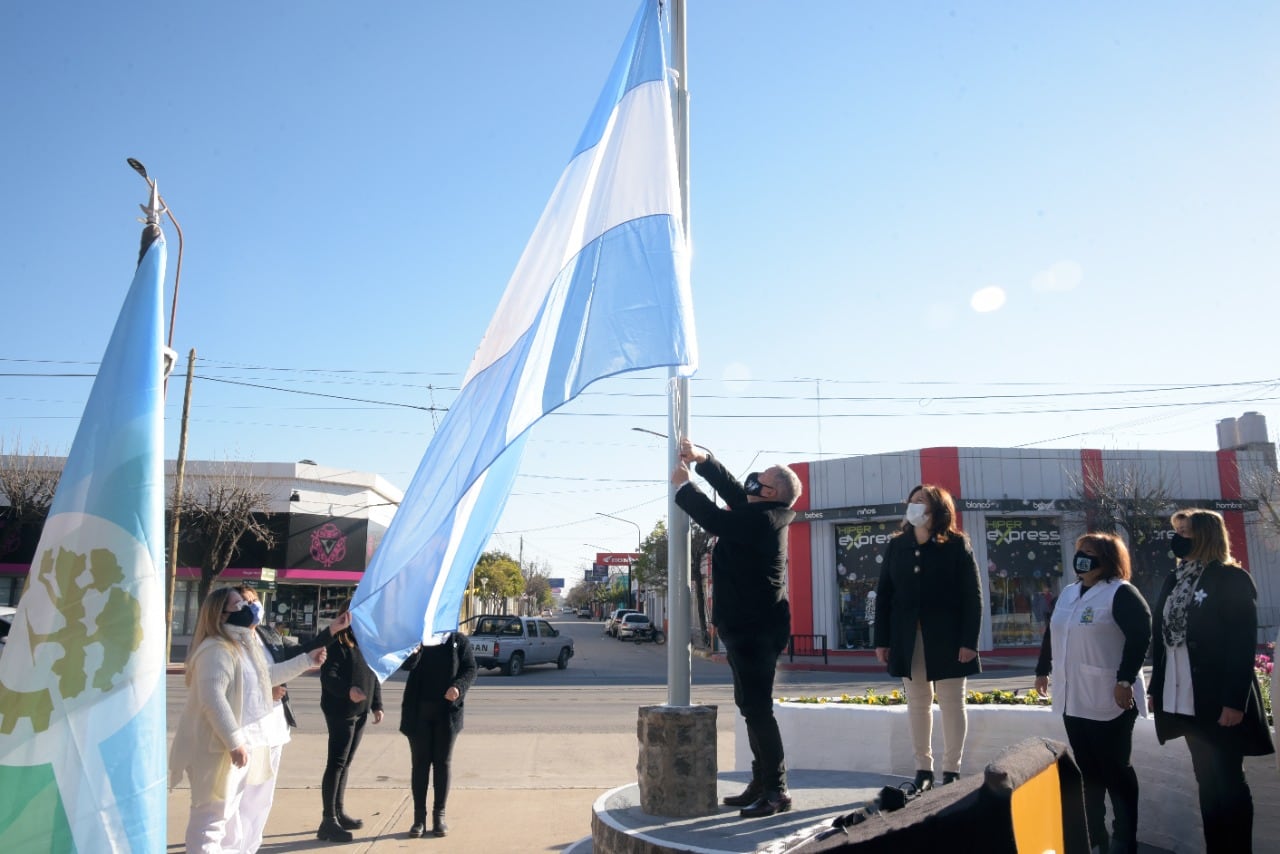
x=753 y=660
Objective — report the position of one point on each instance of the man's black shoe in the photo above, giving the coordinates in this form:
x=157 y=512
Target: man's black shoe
x=749 y=795
x=949 y=777
x=923 y=781
x=770 y=803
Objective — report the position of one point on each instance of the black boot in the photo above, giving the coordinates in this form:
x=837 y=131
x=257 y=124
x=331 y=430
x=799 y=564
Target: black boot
x=748 y=797
x=923 y=781
x=438 y=827
x=331 y=831
x=347 y=822
x=419 y=826
x=950 y=777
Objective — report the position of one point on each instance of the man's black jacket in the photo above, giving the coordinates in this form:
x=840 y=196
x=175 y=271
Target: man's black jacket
x=749 y=561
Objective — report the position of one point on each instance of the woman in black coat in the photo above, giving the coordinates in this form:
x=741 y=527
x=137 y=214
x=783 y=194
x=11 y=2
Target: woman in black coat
x=431 y=718
x=349 y=693
x=928 y=616
x=1203 y=687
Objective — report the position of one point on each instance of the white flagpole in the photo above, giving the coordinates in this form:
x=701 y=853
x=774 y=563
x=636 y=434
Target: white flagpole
x=679 y=676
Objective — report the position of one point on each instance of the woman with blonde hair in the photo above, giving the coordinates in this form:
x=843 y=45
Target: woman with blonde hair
x=1204 y=636
x=928 y=615
x=1095 y=644
x=220 y=744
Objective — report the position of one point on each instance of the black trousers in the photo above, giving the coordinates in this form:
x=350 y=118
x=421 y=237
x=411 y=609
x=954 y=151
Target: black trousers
x=753 y=660
x=344 y=738
x=1102 y=750
x=1226 y=803
x=430 y=749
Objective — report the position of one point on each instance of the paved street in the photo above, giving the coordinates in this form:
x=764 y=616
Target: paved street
x=538 y=749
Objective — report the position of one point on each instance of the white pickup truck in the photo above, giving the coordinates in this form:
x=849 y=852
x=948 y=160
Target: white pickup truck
x=513 y=643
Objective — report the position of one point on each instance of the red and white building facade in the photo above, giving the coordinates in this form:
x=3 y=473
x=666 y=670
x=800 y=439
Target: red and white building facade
x=1022 y=510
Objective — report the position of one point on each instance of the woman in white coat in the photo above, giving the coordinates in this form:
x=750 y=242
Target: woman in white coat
x=1095 y=644
x=222 y=742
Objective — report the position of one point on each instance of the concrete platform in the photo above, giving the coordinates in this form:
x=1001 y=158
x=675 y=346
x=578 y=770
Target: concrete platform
x=620 y=827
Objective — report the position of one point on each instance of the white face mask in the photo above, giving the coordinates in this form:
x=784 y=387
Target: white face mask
x=917 y=514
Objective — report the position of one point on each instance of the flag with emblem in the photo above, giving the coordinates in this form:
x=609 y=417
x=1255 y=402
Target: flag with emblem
x=602 y=288
x=82 y=678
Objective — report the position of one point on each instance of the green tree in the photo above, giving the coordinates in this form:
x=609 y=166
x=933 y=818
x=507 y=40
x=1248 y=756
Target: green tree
x=650 y=570
x=538 y=589
x=497 y=577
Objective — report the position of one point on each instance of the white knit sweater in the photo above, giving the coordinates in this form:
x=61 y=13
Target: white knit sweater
x=212 y=721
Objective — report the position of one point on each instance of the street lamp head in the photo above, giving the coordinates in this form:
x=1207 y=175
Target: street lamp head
x=138 y=167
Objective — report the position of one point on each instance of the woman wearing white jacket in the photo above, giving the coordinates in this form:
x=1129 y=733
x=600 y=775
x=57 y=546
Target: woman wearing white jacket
x=221 y=743
x=1095 y=644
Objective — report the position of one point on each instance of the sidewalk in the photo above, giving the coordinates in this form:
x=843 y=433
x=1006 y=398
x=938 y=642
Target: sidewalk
x=509 y=792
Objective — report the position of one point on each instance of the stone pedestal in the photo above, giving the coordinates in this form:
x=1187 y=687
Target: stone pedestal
x=676 y=770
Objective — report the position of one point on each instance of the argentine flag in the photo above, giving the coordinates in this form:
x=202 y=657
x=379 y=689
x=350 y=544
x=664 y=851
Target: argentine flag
x=602 y=288
x=82 y=693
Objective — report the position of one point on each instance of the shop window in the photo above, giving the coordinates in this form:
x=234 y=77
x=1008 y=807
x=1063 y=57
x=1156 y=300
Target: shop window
x=860 y=552
x=1024 y=571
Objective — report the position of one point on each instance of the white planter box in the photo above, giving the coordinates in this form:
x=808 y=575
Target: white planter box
x=846 y=737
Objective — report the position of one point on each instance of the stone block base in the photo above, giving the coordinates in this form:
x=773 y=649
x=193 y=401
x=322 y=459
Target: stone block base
x=676 y=769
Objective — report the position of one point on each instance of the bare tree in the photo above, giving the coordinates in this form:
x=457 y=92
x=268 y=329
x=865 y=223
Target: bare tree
x=1132 y=500
x=1263 y=485
x=217 y=511
x=28 y=479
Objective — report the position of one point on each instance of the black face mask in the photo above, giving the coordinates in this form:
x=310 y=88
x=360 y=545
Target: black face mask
x=1084 y=563
x=752 y=484
x=242 y=618
x=1180 y=546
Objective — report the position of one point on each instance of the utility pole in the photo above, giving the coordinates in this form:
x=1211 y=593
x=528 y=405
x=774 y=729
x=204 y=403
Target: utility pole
x=171 y=577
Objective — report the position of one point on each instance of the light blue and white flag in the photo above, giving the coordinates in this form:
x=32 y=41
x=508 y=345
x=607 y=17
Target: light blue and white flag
x=82 y=699
x=602 y=288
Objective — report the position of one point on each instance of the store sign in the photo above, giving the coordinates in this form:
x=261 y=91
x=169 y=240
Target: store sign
x=860 y=549
x=1010 y=505
x=1023 y=546
x=324 y=542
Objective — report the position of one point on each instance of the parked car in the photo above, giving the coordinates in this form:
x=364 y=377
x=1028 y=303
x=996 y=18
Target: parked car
x=584 y=613
x=615 y=617
x=6 y=623
x=513 y=643
x=627 y=627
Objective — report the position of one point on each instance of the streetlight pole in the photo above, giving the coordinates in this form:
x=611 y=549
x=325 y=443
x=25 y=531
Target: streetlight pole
x=631 y=563
x=153 y=211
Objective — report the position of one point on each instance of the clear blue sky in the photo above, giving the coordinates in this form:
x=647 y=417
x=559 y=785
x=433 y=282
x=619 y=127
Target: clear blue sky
x=357 y=181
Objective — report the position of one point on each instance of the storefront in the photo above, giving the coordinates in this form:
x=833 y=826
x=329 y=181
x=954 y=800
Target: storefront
x=1022 y=511
x=311 y=567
